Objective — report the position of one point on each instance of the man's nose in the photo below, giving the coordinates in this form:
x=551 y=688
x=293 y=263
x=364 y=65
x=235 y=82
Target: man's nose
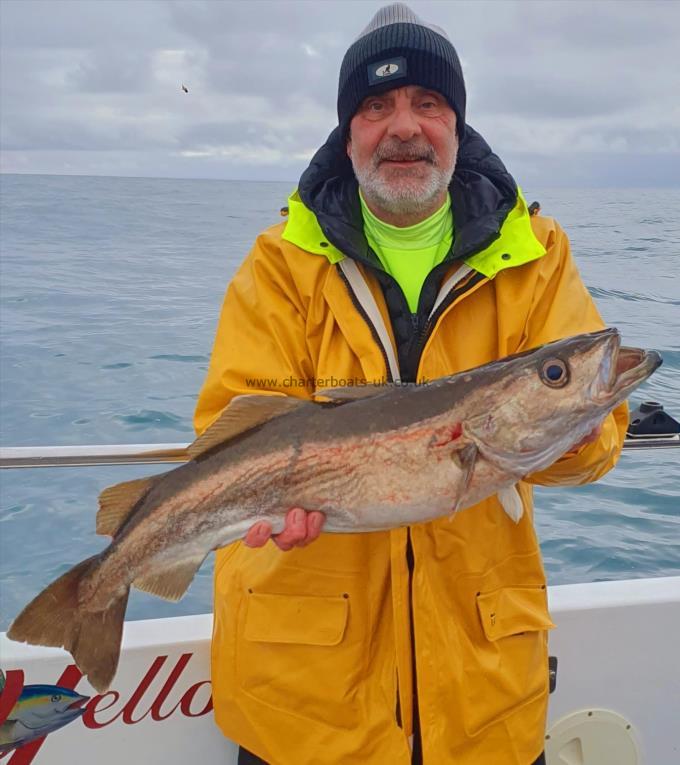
x=404 y=123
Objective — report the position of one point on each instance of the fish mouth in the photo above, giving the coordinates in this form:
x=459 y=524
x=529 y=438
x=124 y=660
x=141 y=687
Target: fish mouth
x=622 y=370
x=78 y=703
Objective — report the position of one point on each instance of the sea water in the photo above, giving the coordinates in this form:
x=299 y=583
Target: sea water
x=110 y=291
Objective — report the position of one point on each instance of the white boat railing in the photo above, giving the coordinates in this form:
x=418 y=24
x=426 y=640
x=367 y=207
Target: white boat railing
x=136 y=454
x=83 y=456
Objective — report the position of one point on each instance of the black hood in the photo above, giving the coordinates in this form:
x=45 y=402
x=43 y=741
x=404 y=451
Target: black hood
x=482 y=195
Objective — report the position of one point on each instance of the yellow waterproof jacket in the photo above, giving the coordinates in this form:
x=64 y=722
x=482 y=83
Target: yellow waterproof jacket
x=312 y=648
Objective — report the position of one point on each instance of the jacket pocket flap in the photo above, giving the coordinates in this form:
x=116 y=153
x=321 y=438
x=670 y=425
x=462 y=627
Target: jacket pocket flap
x=512 y=610
x=301 y=619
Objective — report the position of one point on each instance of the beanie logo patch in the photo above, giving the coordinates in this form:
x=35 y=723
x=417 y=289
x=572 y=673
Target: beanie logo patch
x=387 y=70
x=381 y=71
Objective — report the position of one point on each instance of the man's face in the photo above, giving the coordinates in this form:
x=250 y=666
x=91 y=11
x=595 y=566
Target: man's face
x=403 y=148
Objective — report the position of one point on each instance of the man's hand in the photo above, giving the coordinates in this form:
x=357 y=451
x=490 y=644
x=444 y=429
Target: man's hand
x=301 y=528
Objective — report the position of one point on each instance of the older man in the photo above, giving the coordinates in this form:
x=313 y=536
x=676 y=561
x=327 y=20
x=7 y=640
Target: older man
x=408 y=254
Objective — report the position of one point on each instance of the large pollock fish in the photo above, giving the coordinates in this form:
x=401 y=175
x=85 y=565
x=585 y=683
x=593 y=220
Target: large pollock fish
x=370 y=458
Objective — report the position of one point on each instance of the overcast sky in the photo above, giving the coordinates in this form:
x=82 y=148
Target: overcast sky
x=567 y=93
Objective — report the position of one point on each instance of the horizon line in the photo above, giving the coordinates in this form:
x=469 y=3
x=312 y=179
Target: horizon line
x=260 y=180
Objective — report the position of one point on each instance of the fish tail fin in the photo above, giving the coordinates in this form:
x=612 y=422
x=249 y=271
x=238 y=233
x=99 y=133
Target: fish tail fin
x=95 y=640
x=55 y=618
x=48 y=618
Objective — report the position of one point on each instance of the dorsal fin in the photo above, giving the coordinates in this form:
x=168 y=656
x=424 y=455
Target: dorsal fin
x=242 y=414
x=349 y=393
x=117 y=503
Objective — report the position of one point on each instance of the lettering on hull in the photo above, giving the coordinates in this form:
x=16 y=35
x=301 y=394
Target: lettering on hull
x=19 y=701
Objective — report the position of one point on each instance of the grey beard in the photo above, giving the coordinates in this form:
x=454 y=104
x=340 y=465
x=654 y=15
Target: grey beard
x=411 y=195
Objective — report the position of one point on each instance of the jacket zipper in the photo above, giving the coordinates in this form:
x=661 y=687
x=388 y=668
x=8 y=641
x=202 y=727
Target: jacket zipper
x=422 y=332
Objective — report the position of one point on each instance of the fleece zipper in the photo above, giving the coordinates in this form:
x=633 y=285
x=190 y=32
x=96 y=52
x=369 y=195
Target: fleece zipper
x=424 y=326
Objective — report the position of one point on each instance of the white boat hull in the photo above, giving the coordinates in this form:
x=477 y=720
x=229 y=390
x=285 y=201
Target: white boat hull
x=616 y=643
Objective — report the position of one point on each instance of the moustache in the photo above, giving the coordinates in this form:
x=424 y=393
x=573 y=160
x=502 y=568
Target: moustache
x=405 y=153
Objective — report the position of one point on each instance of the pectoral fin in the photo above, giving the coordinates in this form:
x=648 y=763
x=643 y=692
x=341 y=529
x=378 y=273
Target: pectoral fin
x=464 y=458
x=511 y=502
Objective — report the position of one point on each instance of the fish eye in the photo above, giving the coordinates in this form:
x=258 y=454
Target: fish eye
x=555 y=373
x=55 y=698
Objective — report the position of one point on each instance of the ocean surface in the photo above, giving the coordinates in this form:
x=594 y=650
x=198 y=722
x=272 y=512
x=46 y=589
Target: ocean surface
x=110 y=290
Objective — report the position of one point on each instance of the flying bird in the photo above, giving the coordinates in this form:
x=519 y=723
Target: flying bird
x=184 y=88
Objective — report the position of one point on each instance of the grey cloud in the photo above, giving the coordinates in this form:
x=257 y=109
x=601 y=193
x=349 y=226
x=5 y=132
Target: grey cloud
x=113 y=70
x=73 y=135
x=218 y=24
x=85 y=24
x=214 y=134
x=550 y=70
x=604 y=24
x=549 y=96
x=26 y=137
x=261 y=47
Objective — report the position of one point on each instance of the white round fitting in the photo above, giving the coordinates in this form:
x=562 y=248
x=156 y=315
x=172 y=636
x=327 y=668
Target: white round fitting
x=591 y=737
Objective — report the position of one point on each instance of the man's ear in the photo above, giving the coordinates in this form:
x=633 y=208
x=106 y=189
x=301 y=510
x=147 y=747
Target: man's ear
x=349 y=146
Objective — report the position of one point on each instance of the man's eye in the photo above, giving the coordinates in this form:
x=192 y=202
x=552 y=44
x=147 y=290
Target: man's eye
x=375 y=106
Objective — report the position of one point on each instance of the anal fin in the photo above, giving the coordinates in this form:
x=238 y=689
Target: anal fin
x=171 y=581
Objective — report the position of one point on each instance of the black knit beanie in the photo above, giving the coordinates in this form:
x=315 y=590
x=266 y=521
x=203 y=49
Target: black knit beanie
x=397 y=49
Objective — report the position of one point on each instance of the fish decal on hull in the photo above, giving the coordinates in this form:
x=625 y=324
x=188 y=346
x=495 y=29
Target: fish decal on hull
x=39 y=710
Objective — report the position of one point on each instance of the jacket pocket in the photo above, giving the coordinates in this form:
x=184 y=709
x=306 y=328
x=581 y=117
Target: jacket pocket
x=511 y=668
x=302 y=619
x=512 y=611
x=298 y=654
